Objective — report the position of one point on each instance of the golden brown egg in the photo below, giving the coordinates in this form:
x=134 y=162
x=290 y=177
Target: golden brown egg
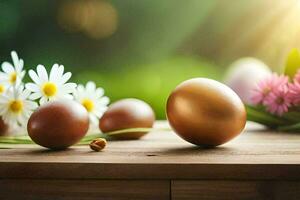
x=205 y=112
x=127 y=113
x=58 y=124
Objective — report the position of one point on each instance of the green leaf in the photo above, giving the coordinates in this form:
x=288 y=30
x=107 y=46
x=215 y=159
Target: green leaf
x=292 y=63
x=259 y=115
x=290 y=128
x=292 y=117
x=25 y=139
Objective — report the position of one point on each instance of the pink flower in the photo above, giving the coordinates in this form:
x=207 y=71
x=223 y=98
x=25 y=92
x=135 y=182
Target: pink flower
x=267 y=86
x=295 y=92
x=278 y=101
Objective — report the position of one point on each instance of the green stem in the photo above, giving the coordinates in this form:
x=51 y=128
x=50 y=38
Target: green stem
x=134 y=130
x=85 y=140
x=258 y=115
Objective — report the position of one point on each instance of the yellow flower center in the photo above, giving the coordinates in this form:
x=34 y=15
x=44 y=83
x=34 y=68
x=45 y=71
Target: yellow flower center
x=16 y=106
x=49 y=89
x=13 y=77
x=2 y=89
x=88 y=104
x=266 y=91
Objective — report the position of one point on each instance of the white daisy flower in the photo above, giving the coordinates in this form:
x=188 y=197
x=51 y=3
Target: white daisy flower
x=2 y=88
x=53 y=87
x=12 y=73
x=93 y=100
x=15 y=108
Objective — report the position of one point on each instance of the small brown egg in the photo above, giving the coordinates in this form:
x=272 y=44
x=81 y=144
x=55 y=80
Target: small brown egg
x=205 y=112
x=58 y=124
x=127 y=113
x=3 y=128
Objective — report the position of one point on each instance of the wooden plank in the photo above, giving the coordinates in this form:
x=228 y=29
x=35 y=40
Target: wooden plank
x=251 y=147
x=83 y=190
x=149 y=171
x=255 y=154
x=227 y=190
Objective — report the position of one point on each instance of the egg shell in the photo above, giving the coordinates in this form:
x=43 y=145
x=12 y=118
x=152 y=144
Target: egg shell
x=127 y=113
x=3 y=128
x=205 y=112
x=58 y=124
x=243 y=76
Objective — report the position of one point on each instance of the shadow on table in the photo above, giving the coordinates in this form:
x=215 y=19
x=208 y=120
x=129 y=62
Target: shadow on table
x=49 y=151
x=197 y=150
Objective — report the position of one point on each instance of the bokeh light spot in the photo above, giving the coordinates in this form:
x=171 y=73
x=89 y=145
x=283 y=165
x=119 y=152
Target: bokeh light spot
x=96 y=19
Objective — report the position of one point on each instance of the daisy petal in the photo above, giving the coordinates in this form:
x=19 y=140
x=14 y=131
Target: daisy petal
x=15 y=58
x=43 y=100
x=20 y=65
x=104 y=101
x=68 y=87
x=21 y=119
x=69 y=96
x=80 y=88
x=33 y=75
x=65 y=96
x=30 y=105
x=54 y=73
x=20 y=89
x=7 y=67
x=22 y=74
x=32 y=87
x=100 y=112
x=94 y=120
x=3 y=77
x=60 y=71
x=3 y=110
x=65 y=78
x=100 y=91
x=35 y=96
x=24 y=95
x=3 y=99
x=90 y=86
x=41 y=71
x=78 y=92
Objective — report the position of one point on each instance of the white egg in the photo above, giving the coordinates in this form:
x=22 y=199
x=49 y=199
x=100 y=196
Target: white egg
x=244 y=74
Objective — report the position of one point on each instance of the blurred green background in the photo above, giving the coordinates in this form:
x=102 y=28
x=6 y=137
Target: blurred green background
x=144 y=48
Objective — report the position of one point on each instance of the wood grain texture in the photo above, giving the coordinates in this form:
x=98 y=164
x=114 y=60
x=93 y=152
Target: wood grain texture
x=83 y=190
x=256 y=154
x=238 y=190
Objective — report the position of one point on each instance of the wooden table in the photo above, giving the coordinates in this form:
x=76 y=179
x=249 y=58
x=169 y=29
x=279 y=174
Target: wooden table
x=258 y=164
